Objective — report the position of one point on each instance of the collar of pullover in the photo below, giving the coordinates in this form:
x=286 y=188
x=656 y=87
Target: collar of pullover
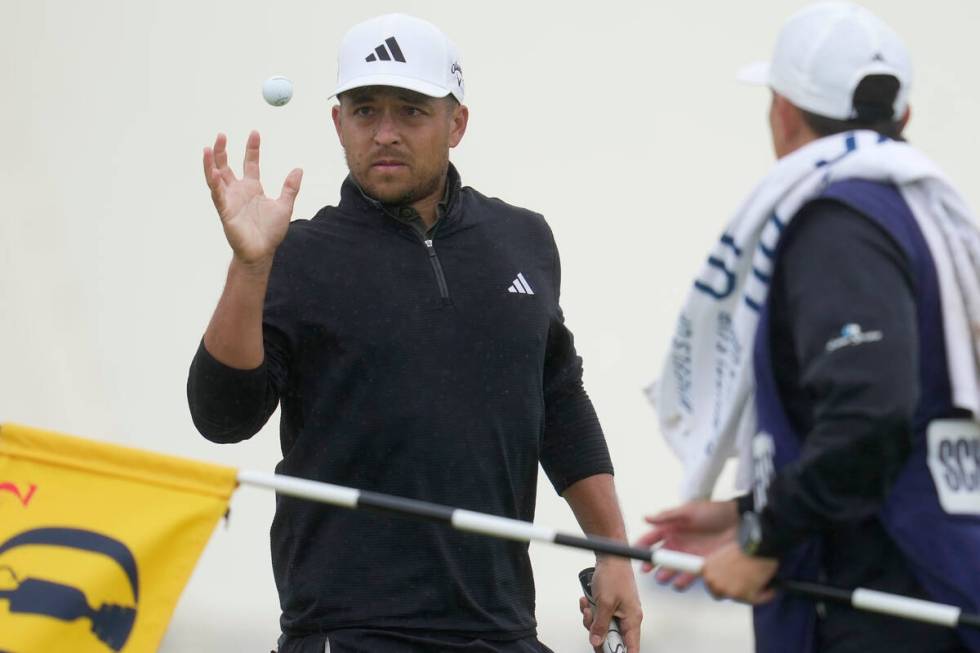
x=352 y=195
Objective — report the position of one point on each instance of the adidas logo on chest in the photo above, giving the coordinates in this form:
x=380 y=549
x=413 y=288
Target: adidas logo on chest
x=520 y=285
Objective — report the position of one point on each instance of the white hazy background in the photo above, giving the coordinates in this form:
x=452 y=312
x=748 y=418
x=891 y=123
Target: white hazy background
x=620 y=121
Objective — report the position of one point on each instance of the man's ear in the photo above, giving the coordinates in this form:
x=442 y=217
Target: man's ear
x=788 y=120
x=903 y=123
x=336 y=123
x=459 y=119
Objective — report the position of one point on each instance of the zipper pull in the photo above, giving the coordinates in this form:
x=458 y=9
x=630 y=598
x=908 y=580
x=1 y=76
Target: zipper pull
x=429 y=246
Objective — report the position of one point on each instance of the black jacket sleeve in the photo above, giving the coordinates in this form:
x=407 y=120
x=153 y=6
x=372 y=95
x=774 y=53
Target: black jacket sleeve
x=853 y=400
x=229 y=404
x=573 y=446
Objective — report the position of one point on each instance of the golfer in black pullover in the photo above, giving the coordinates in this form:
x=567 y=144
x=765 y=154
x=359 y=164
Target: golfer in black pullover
x=414 y=340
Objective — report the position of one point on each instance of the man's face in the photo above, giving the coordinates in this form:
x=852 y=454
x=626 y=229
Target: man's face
x=397 y=141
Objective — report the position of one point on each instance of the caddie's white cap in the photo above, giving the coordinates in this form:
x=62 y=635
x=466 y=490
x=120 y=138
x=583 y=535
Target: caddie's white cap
x=822 y=54
x=402 y=51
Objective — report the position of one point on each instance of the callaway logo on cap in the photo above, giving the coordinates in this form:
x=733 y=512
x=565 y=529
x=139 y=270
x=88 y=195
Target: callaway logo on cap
x=822 y=54
x=402 y=51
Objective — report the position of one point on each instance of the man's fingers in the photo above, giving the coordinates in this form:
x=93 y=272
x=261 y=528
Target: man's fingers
x=210 y=171
x=664 y=575
x=290 y=187
x=252 y=155
x=679 y=581
x=650 y=538
x=658 y=518
x=220 y=151
x=216 y=193
x=667 y=516
x=647 y=541
x=736 y=592
x=630 y=630
x=714 y=590
x=684 y=581
x=213 y=178
x=600 y=625
x=221 y=158
x=722 y=588
x=583 y=606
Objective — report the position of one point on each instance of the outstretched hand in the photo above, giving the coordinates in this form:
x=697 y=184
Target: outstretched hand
x=253 y=223
x=697 y=527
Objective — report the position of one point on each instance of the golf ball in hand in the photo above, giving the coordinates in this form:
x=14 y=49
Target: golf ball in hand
x=277 y=90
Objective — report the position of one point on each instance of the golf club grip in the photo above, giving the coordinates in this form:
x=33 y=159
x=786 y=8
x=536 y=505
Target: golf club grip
x=614 y=641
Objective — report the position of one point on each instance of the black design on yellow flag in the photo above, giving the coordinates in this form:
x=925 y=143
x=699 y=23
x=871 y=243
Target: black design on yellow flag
x=97 y=541
x=110 y=623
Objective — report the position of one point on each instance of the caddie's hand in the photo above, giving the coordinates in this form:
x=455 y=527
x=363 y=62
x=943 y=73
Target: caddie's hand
x=615 y=595
x=254 y=224
x=697 y=527
x=730 y=573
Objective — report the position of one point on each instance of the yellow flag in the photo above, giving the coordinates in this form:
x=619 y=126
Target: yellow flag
x=97 y=541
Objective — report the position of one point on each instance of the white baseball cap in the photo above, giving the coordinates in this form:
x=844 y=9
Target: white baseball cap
x=822 y=54
x=402 y=51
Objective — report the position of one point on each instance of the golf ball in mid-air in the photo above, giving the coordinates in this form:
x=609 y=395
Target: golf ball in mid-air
x=277 y=90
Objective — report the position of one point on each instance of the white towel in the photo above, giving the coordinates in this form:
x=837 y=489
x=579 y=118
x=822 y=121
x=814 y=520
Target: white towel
x=705 y=394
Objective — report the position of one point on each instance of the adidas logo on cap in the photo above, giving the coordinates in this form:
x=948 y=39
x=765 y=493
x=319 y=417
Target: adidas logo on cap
x=384 y=54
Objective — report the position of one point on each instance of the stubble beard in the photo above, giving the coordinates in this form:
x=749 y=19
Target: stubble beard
x=422 y=189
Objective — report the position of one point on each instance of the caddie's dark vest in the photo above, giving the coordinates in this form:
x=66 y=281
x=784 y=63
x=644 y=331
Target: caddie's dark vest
x=942 y=549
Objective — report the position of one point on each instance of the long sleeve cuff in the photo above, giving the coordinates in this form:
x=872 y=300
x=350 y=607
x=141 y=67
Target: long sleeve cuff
x=228 y=404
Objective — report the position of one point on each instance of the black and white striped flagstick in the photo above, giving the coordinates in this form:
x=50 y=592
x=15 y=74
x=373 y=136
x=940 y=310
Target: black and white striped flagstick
x=513 y=529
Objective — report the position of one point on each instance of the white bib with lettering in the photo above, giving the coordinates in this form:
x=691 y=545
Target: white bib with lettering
x=954 y=460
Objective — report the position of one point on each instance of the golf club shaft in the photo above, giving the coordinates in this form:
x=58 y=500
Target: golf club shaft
x=512 y=529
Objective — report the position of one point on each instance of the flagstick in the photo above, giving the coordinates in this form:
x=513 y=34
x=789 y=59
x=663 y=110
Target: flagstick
x=521 y=531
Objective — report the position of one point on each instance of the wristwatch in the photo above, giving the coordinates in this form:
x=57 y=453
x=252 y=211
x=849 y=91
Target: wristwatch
x=749 y=532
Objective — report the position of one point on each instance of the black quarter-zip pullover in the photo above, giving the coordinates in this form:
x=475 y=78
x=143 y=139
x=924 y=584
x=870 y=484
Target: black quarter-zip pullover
x=420 y=367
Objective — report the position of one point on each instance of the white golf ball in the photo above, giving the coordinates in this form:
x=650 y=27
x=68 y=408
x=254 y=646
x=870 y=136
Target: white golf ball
x=277 y=90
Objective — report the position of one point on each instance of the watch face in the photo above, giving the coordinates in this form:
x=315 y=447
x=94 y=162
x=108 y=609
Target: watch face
x=749 y=532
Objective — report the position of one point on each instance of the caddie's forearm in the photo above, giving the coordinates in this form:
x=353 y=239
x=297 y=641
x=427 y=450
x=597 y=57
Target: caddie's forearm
x=593 y=500
x=234 y=335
